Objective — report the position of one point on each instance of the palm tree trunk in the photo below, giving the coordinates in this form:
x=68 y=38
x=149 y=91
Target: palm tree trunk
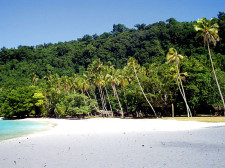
x=108 y=98
x=102 y=98
x=114 y=89
x=184 y=97
x=91 y=100
x=82 y=91
x=96 y=100
x=143 y=92
x=125 y=97
x=218 y=85
x=188 y=108
x=182 y=91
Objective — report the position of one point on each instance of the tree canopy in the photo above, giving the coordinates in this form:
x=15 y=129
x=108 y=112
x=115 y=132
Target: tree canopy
x=48 y=79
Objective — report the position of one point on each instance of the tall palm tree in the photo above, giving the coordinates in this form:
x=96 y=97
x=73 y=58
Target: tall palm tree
x=173 y=57
x=123 y=83
x=34 y=79
x=73 y=80
x=99 y=81
x=113 y=80
x=66 y=83
x=106 y=70
x=57 y=83
x=133 y=62
x=88 y=76
x=95 y=70
x=209 y=31
x=86 y=86
x=52 y=92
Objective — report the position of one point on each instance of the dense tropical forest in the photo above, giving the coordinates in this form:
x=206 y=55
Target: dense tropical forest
x=143 y=71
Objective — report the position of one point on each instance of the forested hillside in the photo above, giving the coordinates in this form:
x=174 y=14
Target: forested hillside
x=98 y=73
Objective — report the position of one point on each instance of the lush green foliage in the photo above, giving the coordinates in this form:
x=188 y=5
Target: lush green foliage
x=21 y=102
x=92 y=73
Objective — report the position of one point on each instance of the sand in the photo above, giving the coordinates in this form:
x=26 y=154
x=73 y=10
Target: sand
x=118 y=143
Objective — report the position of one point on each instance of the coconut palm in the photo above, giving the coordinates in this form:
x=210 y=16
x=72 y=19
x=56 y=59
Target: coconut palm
x=86 y=86
x=173 y=57
x=53 y=92
x=121 y=73
x=133 y=62
x=99 y=81
x=73 y=80
x=91 y=80
x=209 y=31
x=113 y=80
x=34 y=79
x=95 y=70
x=106 y=70
x=57 y=83
x=66 y=83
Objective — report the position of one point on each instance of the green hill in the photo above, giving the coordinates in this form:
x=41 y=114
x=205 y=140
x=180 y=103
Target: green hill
x=148 y=44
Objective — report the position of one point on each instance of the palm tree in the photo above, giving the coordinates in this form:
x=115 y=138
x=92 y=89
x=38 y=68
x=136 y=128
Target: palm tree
x=73 y=80
x=209 y=31
x=57 y=83
x=99 y=81
x=90 y=78
x=106 y=70
x=173 y=57
x=113 y=80
x=53 y=92
x=86 y=86
x=133 y=62
x=123 y=83
x=66 y=83
x=95 y=70
x=34 y=79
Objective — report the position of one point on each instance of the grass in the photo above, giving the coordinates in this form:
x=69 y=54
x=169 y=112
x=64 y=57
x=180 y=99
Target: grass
x=200 y=119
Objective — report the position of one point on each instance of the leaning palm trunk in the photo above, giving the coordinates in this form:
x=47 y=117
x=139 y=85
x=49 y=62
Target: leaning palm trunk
x=108 y=98
x=104 y=101
x=185 y=100
x=143 y=92
x=100 y=93
x=102 y=98
x=125 y=97
x=218 y=85
x=116 y=94
x=82 y=91
x=96 y=101
x=181 y=88
x=92 y=101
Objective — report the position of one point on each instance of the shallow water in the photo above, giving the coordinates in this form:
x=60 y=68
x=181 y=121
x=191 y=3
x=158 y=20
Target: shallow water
x=12 y=129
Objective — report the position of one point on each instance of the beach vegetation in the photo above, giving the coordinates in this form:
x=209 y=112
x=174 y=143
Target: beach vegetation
x=208 y=29
x=173 y=57
x=21 y=102
x=78 y=104
x=145 y=71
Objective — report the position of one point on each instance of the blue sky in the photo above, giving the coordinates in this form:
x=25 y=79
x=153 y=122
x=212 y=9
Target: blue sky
x=33 y=22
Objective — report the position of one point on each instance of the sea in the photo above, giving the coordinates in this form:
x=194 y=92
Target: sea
x=15 y=128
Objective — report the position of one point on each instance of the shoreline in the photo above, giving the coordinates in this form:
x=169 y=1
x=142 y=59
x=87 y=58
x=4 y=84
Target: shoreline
x=62 y=126
x=42 y=126
x=121 y=143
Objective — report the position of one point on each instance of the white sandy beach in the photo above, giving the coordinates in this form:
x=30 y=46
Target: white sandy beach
x=118 y=143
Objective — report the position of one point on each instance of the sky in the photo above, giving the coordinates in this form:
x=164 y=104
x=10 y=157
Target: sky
x=34 y=22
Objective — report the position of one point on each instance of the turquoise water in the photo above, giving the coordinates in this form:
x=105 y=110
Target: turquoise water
x=11 y=129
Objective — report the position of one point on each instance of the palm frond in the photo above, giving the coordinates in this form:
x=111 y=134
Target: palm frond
x=208 y=30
